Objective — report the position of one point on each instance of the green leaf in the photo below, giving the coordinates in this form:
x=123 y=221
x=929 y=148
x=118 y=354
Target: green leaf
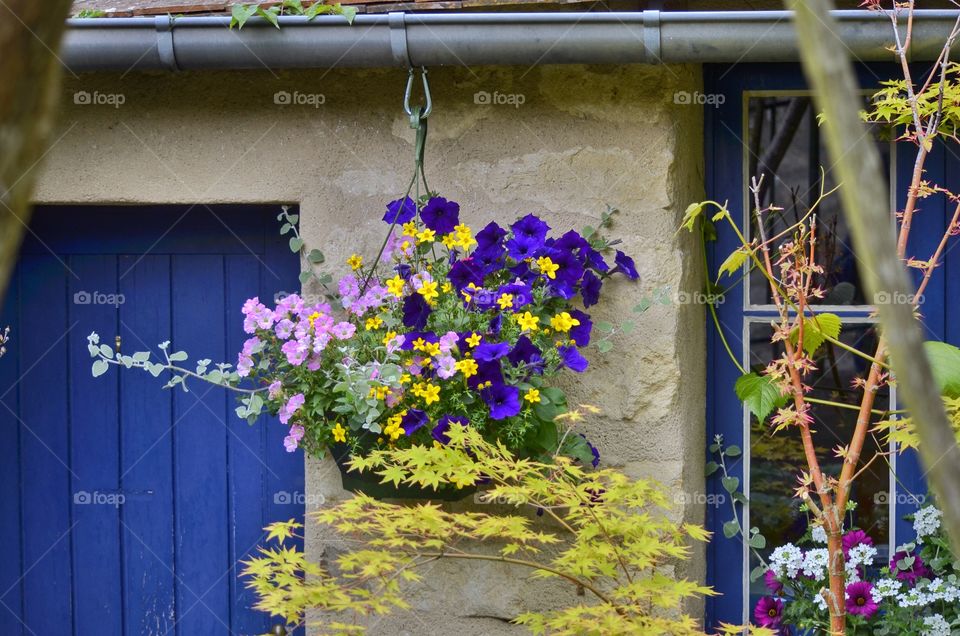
x=734 y=262
x=945 y=362
x=270 y=15
x=759 y=393
x=757 y=542
x=733 y=451
x=731 y=529
x=350 y=13
x=711 y=468
x=240 y=13
x=106 y=352
x=605 y=346
x=286 y=227
x=690 y=215
x=178 y=356
x=547 y=436
x=99 y=367
x=295 y=243
x=141 y=356
x=816 y=330
x=730 y=484
x=577 y=447
x=305 y=276
x=757 y=572
x=316 y=256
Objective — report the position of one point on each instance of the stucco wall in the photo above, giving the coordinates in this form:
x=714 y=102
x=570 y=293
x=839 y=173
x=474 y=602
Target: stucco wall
x=582 y=138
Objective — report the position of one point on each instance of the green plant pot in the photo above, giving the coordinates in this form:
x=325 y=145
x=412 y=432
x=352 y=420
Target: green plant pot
x=369 y=483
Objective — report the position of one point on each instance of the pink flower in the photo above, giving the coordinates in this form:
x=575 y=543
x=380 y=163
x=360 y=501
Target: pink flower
x=292 y=440
x=446 y=367
x=395 y=343
x=245 y=358
x=288 y=409
x=770 y=580
x=296 y=350
x=256 y=315
x=448 y=341
x=273 y=391
x=343 y=330
x=860 y=599
x=284 y=328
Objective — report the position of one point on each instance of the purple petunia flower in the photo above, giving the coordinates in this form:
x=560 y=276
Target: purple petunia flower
x=490 y=236
x=415 y=311
x=590 y=288
x=464 y=272
x=488 y=258
x=530 y=229
x=854 y=538
x=496 y=323
x=770 y=580
x=414 y=420
x=439 y=431
x=486 y=372
x=572 y=359
x=400 y=211
x=626 y=265
x=917 y=570
x=768 y=612
x=521 y=248
x=581 y=333
x=595 y=260
x=525 y=352
x=522 y=294
x=440 y=215
x=488 y=352
x=503 y=400
x=571 y=241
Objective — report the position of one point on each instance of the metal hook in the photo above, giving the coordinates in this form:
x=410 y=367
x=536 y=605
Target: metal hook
x=428 y=107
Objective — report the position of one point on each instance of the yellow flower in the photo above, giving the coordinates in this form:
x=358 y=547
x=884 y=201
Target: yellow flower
x=405 y=379
x=355 y=262
x=547 y=267
x=446 y=288
x=431 y=394
x=374 y=323
x=339 y=433
x=429 y=291
x=431 y=349
x=449 y=241
x=532 y=396
x=405 y=246
x=484 y=385
x=418 y=344
x=395 y=286
x=467 y=367
x=563 y=322
x=393 y=428
x=390 y=336
x=505 y=301
x=473 y=339
x=527 y=321
x=410 y=229
x=426 y=236
x=312 y=318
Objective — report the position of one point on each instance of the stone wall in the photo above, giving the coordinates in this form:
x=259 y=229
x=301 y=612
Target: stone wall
x=582 y=138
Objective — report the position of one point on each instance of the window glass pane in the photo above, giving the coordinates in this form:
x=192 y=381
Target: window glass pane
x=784 y=145
x=777 y=459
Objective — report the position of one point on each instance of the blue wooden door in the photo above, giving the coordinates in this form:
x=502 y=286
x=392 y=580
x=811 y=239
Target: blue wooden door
x=125 y=507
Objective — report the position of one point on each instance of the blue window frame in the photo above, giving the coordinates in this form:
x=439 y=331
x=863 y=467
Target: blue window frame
x=727 y=154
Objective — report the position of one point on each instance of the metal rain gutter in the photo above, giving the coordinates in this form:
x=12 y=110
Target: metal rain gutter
x=468 y=39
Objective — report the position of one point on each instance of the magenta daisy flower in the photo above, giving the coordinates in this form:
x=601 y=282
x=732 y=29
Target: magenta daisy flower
x=768 y=612
x=860 y=599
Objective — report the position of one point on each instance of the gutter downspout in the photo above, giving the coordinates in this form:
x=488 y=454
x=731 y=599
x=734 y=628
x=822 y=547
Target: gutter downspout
x=468 y=39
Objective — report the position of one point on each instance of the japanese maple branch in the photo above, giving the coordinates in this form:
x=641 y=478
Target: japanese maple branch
x=864 y=200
